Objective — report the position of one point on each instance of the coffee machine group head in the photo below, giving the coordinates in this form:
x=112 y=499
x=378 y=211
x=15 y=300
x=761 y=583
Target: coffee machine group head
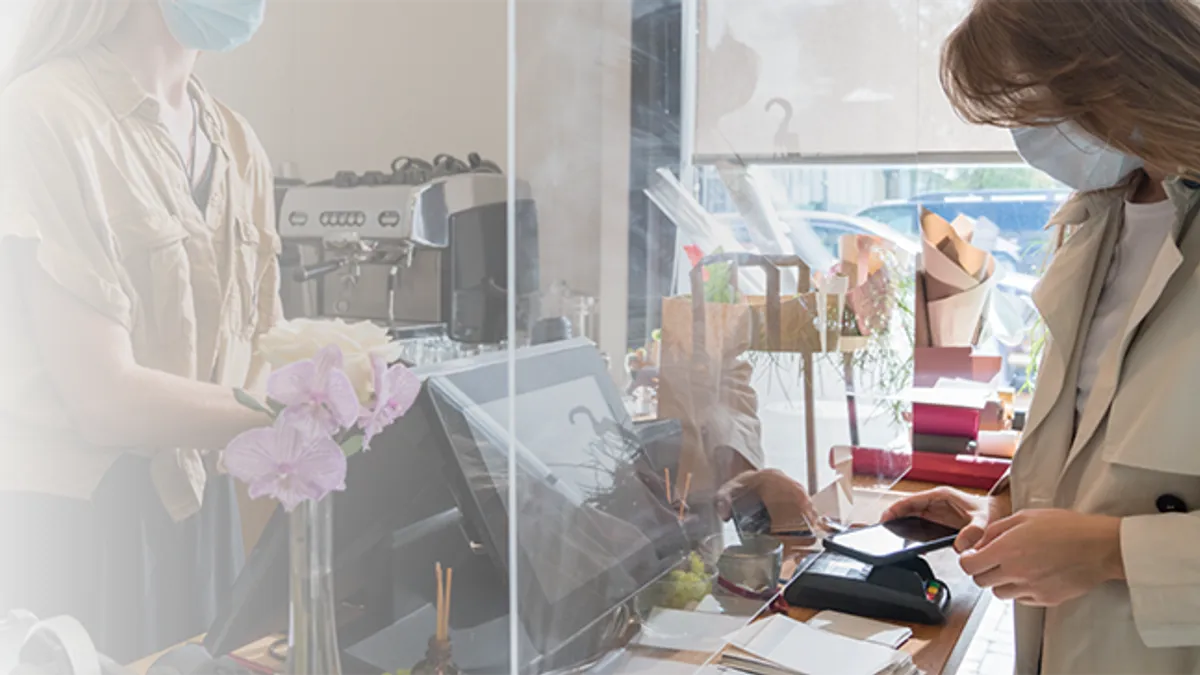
x=426 y=245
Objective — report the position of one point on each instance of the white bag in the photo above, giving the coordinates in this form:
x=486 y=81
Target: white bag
x=65 y=647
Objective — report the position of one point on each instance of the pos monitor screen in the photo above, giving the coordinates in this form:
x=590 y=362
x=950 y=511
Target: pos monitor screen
x=592 y=524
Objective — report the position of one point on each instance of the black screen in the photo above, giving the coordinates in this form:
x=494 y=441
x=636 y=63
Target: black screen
x=592 y=530
x=892 y=537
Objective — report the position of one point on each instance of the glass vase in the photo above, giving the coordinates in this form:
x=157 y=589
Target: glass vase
x=312 y=634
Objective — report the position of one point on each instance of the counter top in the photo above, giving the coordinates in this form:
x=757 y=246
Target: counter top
x=935 y=649
x=940 y=649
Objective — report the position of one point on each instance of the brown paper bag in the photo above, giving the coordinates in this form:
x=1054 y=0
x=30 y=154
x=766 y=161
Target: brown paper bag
x=704 y=382
x=708 y=390
x=800 y=325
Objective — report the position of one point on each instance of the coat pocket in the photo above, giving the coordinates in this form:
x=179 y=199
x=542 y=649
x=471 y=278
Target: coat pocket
x=1145 y=459
x=1141 y=446
x=155 y=256
x=248 y=266
x=1151 y=424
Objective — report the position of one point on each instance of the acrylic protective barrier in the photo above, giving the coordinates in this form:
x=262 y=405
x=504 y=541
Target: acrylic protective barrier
x=742 y=191
x=678 y=290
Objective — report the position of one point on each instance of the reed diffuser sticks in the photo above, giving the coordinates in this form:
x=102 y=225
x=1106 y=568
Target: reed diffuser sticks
x=438 y=659
x=445 y=584
x=687 y=487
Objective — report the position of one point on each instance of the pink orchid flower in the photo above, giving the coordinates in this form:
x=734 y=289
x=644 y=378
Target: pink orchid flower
x=317 y=392
x=286 y=463
x=396 y=390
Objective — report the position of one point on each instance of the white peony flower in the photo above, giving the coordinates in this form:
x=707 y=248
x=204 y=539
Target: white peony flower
x=301 y=339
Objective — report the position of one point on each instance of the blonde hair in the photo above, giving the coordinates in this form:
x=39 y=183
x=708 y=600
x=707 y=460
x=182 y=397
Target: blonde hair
x=1127 y=71
x=60 y=27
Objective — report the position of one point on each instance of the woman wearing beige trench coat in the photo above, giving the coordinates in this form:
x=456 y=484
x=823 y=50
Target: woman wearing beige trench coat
x=1098 y=539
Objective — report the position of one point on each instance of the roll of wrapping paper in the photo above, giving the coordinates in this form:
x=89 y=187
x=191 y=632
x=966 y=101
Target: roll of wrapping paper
x=943 y=420
x=997 y=443
x=967 y=471
x=946 y=445
x=888 y=464
x=959 y=470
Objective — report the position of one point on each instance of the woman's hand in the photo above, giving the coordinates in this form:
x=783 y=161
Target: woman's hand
x=1047 y=557
x=953 y=508
x=790 y=507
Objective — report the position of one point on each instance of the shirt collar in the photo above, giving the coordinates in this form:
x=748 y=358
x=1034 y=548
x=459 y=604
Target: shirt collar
x=1183 y=195
x=210 y=122
x=125 y=97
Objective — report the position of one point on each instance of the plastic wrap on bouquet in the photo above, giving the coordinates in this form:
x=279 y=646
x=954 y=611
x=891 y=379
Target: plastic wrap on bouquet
x=869 y=296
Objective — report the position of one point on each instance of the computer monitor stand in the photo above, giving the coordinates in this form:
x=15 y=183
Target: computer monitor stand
x=479 y=631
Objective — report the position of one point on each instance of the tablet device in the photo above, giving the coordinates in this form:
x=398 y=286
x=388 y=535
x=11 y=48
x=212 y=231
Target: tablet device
x=592 y=528
x=893 y=541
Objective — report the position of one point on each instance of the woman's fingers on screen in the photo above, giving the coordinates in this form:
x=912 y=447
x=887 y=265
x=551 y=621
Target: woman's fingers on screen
x=915 y=505
x=968 y=538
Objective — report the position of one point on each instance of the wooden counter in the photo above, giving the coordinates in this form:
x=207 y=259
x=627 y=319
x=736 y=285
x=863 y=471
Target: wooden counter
x=940 y=649
x=935 y=649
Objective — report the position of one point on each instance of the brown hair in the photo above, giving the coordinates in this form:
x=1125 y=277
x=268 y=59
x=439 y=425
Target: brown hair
x=1127 y=71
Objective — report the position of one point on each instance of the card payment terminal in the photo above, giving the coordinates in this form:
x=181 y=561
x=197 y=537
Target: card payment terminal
x=905 y=591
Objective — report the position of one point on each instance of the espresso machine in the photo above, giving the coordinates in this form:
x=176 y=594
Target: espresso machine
x=422 y=249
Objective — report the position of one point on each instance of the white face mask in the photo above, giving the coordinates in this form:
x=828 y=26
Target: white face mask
x=1074 y=157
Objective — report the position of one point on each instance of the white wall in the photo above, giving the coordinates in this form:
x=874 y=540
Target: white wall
x=573 y=135
x=351 y=84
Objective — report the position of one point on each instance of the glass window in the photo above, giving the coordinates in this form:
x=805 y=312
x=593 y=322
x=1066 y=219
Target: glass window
x=900 y=217
x=1016 y=200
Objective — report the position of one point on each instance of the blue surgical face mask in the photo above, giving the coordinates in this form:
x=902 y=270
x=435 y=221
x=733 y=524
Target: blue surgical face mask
x=213 y=25
x=1074 y=157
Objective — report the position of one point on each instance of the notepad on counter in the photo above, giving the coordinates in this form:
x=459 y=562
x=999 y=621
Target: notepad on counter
x=860 y=628
x=687 y=631
x=780 y=645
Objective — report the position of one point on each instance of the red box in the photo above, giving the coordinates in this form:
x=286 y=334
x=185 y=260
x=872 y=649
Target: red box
x=940 y=420
x=969 y=471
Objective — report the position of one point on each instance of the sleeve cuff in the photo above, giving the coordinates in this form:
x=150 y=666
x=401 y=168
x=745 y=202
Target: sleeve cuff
x=76 y=276
x=1163 y=576
x=1002 y=485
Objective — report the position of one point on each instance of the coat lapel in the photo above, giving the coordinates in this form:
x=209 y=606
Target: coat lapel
x=1108 y=379
x=1060 y=298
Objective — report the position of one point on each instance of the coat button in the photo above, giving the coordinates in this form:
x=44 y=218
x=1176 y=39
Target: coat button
x=1170 y=504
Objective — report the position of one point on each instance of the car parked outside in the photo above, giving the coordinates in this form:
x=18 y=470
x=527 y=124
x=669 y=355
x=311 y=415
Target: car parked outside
x=1020 y=215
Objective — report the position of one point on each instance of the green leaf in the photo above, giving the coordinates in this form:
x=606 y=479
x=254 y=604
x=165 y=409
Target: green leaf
x=656 y=335
x=352 y=445
x=251 y=402
x=275 y=406
x=718 y=287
